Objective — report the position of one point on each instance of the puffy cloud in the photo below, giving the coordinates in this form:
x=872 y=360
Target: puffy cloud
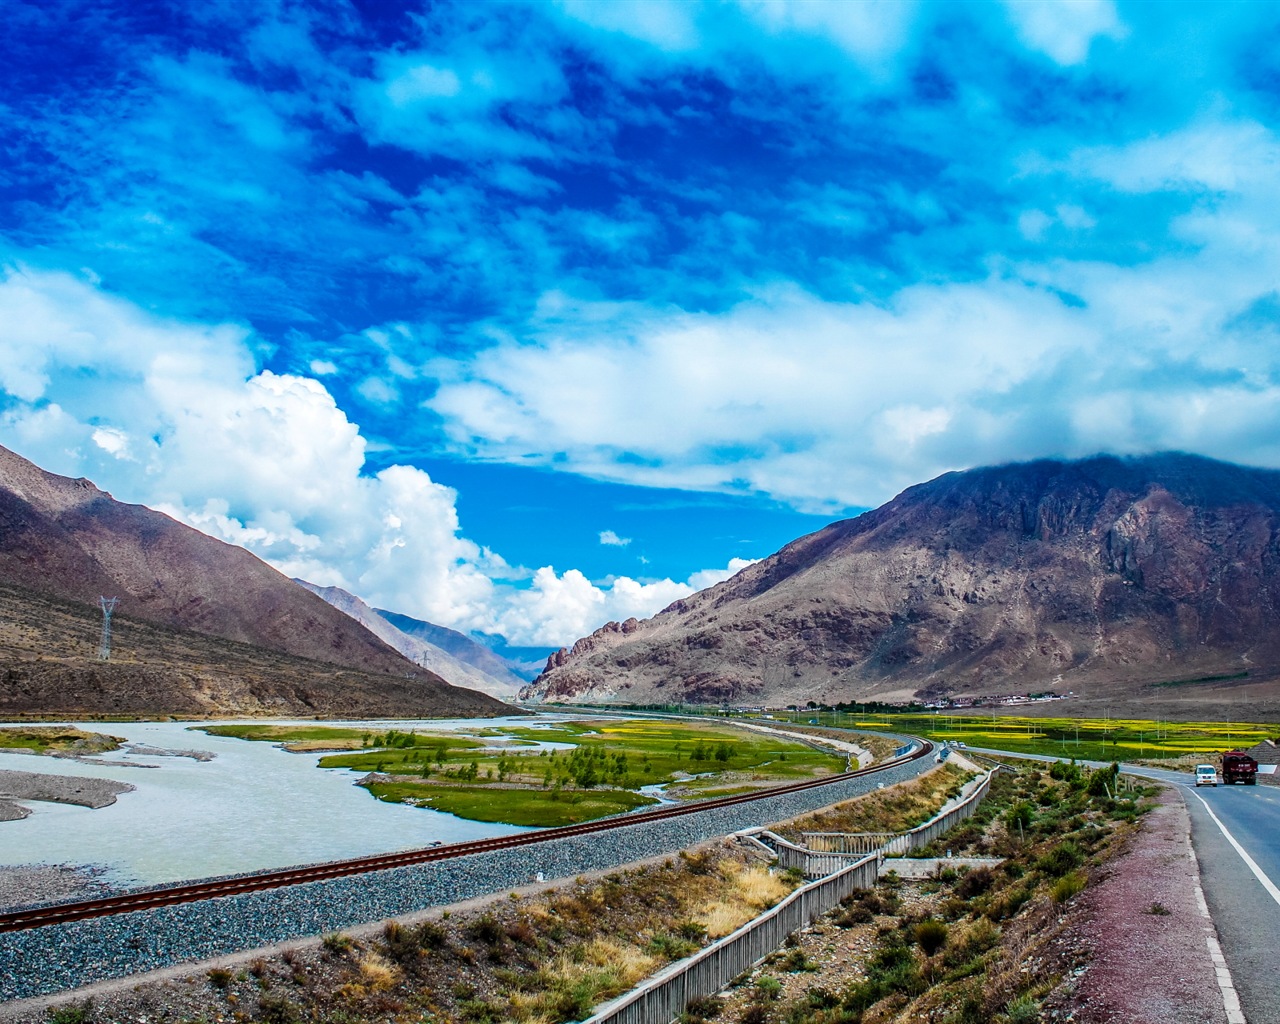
x=569 y=604
x=830 y=404
x=177 y=417
x=611 y=539
x=1064 y=29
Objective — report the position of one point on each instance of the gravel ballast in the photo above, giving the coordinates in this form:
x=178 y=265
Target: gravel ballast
x=59 y=957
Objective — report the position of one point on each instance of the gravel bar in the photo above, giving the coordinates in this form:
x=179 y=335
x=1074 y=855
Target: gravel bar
x=54 y=958
x=62 y=789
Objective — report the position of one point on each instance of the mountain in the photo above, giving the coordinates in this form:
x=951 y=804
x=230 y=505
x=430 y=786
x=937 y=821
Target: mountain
x=468 y=651
x=501 y=684
x=64 y=540
x=1157 y=575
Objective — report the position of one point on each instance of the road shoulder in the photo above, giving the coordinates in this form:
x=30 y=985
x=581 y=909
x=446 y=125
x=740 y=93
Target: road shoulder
x=1144 y=931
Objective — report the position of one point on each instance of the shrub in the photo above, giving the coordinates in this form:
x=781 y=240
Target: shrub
x=336 y=942
x=72 y=1013
x=858 y=913
x=671 y=947
x=768 y=988
x=220 y=977
x=1159 y=909
x=931 y=936
x=701 y=1008
x=432 y=935
x=1020 y=815
x=486 y=930
x=975 y=882
x=275 y=1009
x=1067 y=886
x=1061 y=859
x=480 y=1011
x=796 y=961
x=1023 y=1010
x=691 y=930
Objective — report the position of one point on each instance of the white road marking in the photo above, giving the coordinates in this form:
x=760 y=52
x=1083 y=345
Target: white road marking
x=1226 y=986
x=1261 y=875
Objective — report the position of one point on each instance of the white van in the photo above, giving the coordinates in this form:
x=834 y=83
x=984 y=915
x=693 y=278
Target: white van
x=1206 y=775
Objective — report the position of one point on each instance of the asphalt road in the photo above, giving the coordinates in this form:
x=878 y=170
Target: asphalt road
x=1231 y=826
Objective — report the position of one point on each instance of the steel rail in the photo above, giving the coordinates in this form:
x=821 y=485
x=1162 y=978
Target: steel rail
x=146 y=899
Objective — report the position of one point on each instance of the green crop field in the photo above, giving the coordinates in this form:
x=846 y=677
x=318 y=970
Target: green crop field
x=1093 y=739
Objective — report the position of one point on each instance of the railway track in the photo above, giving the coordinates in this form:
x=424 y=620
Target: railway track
x=146 y=899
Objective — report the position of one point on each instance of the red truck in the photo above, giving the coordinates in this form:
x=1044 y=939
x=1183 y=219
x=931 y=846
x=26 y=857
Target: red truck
x=1237 y=766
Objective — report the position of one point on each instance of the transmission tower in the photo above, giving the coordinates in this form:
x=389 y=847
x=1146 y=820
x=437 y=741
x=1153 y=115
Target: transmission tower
x=108 y=605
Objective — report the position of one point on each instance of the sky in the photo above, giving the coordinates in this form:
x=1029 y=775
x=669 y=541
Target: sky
x=522 y=317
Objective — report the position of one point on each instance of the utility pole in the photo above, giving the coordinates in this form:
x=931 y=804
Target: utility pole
x=108 y=605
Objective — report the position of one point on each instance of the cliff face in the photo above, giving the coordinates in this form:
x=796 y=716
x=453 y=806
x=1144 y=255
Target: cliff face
x=1045 y=575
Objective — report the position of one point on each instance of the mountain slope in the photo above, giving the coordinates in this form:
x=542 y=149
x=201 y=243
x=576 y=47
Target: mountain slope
x=418 y=650
x=460 y=646
x=66 y=540
x=1042 y=575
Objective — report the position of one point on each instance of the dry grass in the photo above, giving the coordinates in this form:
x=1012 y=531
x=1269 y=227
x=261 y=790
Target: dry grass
x=750 y=889
x=895 y=809
x=756 y=887
x=377 y=974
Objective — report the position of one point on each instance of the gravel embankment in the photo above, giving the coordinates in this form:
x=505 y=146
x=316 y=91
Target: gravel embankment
x=56 y=958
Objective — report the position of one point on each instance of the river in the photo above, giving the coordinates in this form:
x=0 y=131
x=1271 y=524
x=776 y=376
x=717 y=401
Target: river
x=253 y=806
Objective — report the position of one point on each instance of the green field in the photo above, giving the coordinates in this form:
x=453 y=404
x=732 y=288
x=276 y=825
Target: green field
x=1092 y=739
x=512 y=806
x=504 y=774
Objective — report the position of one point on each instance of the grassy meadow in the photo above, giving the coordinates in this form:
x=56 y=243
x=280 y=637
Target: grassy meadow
x=557 y=774
x=41 y=739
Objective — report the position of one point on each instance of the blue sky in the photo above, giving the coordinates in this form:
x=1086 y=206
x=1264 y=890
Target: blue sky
x=522 y=317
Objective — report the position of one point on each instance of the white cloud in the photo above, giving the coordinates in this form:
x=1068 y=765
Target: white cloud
x=827 y=404
x=1064 y=29
x=611 y=539
x=181 y=420
x=323 y=368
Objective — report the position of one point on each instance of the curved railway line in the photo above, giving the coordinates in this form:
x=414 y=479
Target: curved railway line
x=145 y=899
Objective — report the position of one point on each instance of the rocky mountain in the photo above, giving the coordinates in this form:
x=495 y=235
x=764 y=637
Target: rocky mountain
x=1124 y=575
x=68 y=541
x=497 y=683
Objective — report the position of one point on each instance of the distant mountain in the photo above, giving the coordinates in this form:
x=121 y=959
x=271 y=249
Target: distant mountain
x=501 y=684
x=68 y=541
x=1144 y=575
x=460 y=646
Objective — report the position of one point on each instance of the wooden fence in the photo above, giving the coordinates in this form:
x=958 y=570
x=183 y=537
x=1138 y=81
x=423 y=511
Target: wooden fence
x=664 y=996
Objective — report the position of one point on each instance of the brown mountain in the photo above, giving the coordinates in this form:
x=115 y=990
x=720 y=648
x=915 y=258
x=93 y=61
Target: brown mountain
x=1125 y=576
x=68 y=542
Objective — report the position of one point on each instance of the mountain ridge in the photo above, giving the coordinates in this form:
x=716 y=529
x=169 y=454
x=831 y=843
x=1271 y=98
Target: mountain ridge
x=419 y=650
x=70 y=541
x=996 y=579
